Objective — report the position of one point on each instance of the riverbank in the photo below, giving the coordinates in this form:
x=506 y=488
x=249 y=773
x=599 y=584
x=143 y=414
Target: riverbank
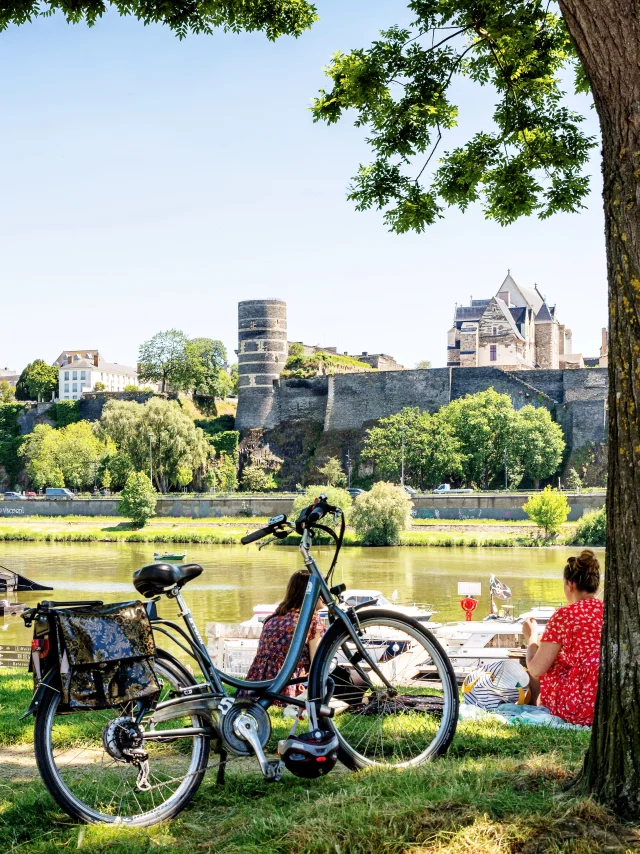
x=230 y=530
x=498 y=791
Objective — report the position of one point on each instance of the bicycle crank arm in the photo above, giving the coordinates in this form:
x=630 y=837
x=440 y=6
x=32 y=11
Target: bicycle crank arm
x=246 y=728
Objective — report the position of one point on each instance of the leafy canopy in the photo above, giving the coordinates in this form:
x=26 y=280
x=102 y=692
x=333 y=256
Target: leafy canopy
x=176 y=443
x=432 y=452
x=548 y=509
x=530 y=159
x=331 y=473
x=38 y=381
x=138 y=499
x=7 y=392
x=70 y=456
x=382 y=514
x=466 y=441
x=163 y=359
x=272 y=17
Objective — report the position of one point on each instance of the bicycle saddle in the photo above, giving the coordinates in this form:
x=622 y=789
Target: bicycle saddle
x=156 y=578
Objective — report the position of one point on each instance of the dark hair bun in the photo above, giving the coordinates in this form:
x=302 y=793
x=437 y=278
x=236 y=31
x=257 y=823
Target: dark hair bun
x=584 y=571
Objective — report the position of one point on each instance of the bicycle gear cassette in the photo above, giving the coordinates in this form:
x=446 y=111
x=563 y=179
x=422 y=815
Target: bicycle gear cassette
x=120 y=738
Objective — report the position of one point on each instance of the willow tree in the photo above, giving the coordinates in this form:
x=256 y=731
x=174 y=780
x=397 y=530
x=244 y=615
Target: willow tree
x=528 y=161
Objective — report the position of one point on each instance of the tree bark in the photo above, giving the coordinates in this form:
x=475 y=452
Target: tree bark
x=607 y=36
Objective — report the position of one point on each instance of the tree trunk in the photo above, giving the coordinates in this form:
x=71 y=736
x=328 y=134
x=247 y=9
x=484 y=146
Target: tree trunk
x=607 y=36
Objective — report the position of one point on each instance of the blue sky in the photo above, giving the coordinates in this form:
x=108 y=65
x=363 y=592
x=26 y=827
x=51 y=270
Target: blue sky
x=149 y=183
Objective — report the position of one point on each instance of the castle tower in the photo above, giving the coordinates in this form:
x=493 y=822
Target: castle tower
x=262 y=353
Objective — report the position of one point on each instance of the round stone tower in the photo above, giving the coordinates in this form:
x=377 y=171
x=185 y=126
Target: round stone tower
x=262 y=353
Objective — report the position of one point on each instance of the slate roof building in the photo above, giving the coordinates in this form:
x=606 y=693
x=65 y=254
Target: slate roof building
x=80 y=370
x=514 y=330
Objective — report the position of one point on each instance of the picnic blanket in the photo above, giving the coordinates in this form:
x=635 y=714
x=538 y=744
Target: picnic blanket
x=516 y=715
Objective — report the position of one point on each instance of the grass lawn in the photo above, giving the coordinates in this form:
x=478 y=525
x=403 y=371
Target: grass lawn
x=500 y=790
x=228 y=530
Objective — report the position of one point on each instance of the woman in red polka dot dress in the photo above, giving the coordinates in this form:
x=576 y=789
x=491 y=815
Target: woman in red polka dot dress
x=566 y=659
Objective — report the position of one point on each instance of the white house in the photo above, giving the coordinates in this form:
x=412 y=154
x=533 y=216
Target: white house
x=80 y=370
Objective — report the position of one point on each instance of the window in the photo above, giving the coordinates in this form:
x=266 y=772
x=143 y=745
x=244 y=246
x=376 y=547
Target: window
x=495 y=330
x=74 y=387
x=66 y=386
x=83 y=375
x=75 y=375
x=82 y=386
x=66 y=397
x=66 y=375
x=493 y=353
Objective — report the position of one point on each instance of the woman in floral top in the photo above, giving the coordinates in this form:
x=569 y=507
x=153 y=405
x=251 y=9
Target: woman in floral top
x=566 y=659
x=277 y=633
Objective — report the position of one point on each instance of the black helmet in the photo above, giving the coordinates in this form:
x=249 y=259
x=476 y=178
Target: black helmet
x=310 y=755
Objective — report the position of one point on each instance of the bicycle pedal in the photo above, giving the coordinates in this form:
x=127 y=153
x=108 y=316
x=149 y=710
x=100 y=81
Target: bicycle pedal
x=274 y=771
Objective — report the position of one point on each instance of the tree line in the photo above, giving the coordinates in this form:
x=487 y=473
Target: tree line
x=157 y=436
x=471 y=441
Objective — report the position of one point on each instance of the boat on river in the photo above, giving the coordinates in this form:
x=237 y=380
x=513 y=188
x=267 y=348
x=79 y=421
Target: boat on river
x=13 y=582
x=363 y=598
x=169 y=557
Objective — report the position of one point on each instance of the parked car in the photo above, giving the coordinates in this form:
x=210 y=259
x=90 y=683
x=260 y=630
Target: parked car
x=59 y=493
x=30 y=495
x=12 y=496
x=354 y=493
x=410 y=491
x=445 y=487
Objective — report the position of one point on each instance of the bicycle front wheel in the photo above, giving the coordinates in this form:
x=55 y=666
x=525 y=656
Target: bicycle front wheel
x=400 y=726
x=82 y=758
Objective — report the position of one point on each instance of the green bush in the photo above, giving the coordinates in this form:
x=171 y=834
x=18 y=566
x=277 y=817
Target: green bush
x=332 y=473
x=382 y=514
x=138 y=499
x=219 y=424
x=592 y=529
x=257 y=479
x=67 y=412
x=335 y=496
x=225 y=442
x=226 y=473
x=574 y=482
x=548 y=509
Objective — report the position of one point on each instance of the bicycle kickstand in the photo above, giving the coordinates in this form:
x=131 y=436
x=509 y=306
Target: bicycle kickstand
x=222 y=767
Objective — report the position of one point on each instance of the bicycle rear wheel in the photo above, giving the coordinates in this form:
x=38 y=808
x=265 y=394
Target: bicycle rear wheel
x=81 y=758
x=399 y=728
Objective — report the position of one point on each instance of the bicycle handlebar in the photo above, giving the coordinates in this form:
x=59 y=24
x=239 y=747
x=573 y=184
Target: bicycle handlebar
x=255 y=535
x=275 y=526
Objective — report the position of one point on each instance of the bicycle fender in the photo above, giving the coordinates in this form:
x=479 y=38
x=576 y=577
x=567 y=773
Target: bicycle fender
x=43 y=685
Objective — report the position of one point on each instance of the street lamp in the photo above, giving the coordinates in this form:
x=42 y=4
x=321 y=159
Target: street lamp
x=506 y=460
x=150 y=458
x=349 y=467
x=403 y=427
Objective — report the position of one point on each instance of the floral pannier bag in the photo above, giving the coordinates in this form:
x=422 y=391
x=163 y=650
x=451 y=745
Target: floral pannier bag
x=106 y=655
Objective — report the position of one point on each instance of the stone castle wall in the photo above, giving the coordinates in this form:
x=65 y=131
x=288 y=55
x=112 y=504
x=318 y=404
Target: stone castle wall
x=350 y=402
x=576 y=398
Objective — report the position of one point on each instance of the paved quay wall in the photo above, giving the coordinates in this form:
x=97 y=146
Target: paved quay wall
x=476 y=506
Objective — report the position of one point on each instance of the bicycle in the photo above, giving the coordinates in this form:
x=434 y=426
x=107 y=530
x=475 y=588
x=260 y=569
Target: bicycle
x=379 y=680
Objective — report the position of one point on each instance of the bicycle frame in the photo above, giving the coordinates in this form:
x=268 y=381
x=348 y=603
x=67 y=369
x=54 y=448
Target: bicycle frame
x=268 y=691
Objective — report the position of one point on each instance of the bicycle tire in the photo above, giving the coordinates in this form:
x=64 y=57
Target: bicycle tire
x=321 y=669
x=167 y=668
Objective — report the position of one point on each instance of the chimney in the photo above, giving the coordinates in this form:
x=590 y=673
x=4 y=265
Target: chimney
x=96 y=360
x=69 y=359
x=505 y=296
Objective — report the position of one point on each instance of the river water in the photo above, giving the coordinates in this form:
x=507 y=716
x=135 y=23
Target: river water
x=236 y=578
